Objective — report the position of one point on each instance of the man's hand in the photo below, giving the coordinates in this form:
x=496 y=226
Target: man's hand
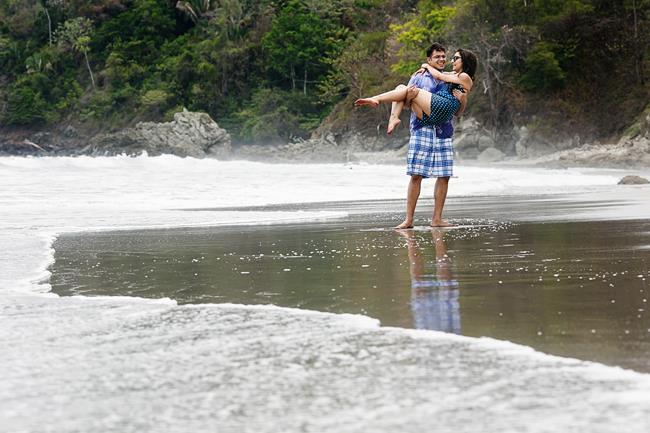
x=462 y=97
x=425 y=67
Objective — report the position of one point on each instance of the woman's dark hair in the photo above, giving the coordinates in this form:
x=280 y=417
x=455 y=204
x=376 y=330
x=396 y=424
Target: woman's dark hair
x=435 y=47
x=470 y=62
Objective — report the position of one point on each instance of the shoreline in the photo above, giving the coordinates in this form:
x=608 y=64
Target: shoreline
x=630 y=154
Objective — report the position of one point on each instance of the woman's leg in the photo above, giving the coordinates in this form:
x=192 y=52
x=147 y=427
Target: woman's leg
x=397 y=107
x=395 y=111
x=396 y=95
x=420 y=101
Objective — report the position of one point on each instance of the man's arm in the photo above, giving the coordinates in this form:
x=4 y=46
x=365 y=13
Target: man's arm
x=415 y=80
x=462 y=97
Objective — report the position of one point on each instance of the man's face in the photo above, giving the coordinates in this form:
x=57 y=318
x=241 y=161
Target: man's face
x=437 y=59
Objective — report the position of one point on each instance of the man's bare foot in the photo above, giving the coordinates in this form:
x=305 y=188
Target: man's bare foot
x=442 y=223
x=404 y=225
x=393 y=121
x=366 y=101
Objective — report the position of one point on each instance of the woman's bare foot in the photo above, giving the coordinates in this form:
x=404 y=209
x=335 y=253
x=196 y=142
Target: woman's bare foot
x=404 y=225
x=442 y=223
x=366 y=101
x=393 y=121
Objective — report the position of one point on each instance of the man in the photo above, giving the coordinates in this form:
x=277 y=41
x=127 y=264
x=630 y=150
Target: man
x=431 y=150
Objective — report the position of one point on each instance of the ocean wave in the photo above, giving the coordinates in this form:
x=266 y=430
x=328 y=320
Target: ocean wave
x=135 y=365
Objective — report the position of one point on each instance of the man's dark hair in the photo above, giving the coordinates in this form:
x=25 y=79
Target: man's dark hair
x=435 y=47
x=470 y=62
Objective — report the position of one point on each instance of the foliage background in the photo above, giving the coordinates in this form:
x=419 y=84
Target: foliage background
x=276 y=70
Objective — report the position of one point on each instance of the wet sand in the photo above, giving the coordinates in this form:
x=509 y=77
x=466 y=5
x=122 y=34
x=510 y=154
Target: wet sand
x=563 y=274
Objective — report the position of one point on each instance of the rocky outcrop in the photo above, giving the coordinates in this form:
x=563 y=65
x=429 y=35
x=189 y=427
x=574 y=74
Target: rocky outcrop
x=633 y=180
x=189 y=134
x=632 y=150
x=324 y=149
x=529 y=144
x=470 y=139
x=491 y=155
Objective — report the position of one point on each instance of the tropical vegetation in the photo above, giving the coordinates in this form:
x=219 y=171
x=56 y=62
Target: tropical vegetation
x=274 y=70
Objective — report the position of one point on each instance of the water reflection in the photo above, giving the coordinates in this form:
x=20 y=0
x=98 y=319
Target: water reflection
x=434 y=291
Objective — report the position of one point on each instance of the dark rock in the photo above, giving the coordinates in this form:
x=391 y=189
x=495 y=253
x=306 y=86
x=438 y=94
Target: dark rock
x=22 y=147
x=633 y=180
x=70 y=132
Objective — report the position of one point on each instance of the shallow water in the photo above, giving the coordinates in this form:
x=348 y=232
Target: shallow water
x=575 y=289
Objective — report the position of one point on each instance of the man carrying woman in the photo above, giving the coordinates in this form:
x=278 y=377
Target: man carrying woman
x=434 y=97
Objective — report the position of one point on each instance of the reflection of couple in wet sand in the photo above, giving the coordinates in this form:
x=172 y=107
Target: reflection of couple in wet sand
x=434 y=97
x=434 y=292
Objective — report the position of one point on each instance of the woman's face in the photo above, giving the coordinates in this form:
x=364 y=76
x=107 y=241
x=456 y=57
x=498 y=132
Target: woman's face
x=457 y=62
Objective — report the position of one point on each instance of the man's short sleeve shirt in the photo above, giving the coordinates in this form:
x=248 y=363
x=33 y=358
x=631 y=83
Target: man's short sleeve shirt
x=427 y=82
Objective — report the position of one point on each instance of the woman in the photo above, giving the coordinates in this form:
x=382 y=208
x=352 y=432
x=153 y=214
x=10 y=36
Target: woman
x=433 y=109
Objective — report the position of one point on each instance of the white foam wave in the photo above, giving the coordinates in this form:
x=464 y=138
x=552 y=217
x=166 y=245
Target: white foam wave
x=115 y=364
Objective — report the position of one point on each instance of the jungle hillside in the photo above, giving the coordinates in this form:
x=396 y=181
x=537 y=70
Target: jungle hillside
x=273 y=71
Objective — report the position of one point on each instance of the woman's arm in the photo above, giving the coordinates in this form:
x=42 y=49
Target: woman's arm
x=463 y=79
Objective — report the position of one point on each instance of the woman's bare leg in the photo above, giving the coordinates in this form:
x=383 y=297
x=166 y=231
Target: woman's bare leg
x=411 y=93
x=395 y=111
x=420 y=101
x=396 y=95
x=397 y=107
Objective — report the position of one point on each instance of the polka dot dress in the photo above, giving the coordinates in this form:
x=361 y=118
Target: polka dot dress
x=443 y=107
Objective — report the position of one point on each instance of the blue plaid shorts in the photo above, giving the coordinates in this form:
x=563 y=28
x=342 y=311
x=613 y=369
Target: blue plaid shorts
x=428 y=155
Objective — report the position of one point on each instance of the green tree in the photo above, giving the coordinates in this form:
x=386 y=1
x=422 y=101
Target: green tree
x=543 y=71
x=361 y=69
x=428 y=25
x=194 y=9
x=46 y=4
x=300 y=42
x=25 y=106
x=74 y=35
x=274 y=115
